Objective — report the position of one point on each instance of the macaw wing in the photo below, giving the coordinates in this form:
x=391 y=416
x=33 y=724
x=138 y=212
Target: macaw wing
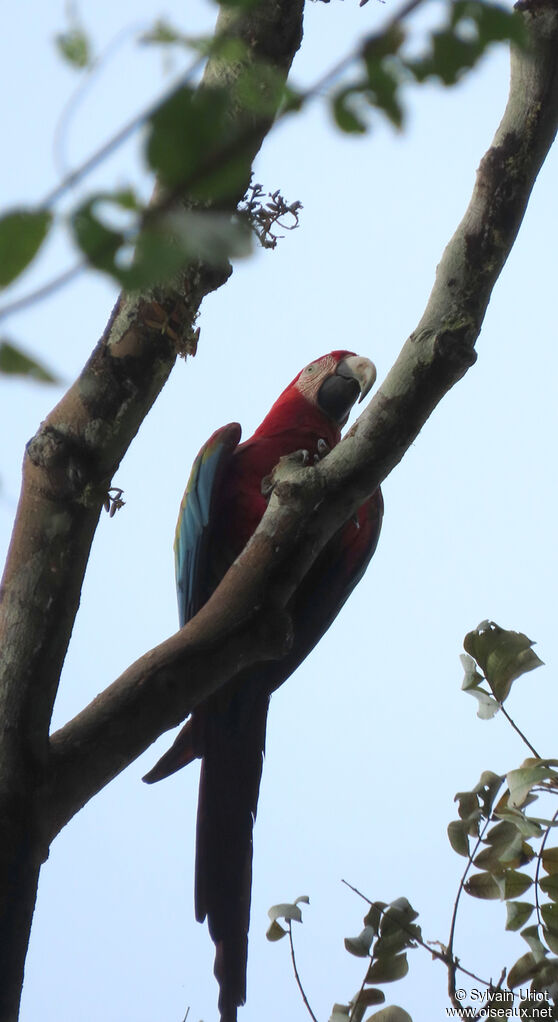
x=326 y=588
x=195 y=520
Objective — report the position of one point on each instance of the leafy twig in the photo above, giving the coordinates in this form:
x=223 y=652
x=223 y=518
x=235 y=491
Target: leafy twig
x=519 y=732
x=297 y=977
x=451 y=960
x=441 y=956
x=538 y=868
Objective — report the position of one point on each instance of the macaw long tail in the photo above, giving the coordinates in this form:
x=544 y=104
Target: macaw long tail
x=234 y=741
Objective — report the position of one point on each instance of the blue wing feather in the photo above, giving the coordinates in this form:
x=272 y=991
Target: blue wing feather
x=195 y=518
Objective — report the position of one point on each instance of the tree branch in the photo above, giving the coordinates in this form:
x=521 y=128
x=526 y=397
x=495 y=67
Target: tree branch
x=294 y=529
x=67 y=470
x=70 y=462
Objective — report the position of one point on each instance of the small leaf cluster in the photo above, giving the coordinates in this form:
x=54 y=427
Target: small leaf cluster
x=288 y=911
x=471 y=27
x=74 y=45
x=389 y=930
x=502 y=656
x=505 y=834
x=497 y=830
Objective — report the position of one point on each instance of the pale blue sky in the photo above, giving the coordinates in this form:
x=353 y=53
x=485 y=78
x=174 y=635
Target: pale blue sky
x=371 y=739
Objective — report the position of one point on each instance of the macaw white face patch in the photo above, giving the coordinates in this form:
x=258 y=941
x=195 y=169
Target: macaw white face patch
x=312 y=377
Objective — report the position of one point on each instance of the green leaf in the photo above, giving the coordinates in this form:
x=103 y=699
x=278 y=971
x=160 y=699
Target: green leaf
x=399 y=913
x=345 y=113
x=457 y=47
x=360 y=946
x=531 y=935
x=395 y=942
x=14 y=362
x=275 y=931
x=546 y=978
x=383 y=44
x=514 y=884
x=164 y=34
x=387 y=970
x=502 y=836
x=526 y=826
x=166 y=244
x=340 y=1013
x=397 y=929
x=393 y=1013
x=383 y=91
x=186 y=141
x=472 y=678
x=469 y=811
x=487 y=789
x=518 y=914
x=550 y=860
x=531 y=773
x=374 y=915
x=505 y=848
x=482 y=885
x=457 y=834
x=523 y=970
x=549 y=913
x=502 y=655
x=74 y=46
x=288 y=910
x=494 y=23
x=99 y=243
x=488 y=707
x=552 y=940
x=259 y=87
x=213 y=237
x=22 y=232
x=549 y=885
x=368 y=997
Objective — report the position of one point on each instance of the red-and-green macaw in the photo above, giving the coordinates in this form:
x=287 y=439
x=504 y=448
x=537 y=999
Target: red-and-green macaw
x=222 y=507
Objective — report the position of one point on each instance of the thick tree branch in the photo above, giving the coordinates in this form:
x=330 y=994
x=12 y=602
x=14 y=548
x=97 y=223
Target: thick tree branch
x=68 y=467
x=70 y=462
x=292 y=532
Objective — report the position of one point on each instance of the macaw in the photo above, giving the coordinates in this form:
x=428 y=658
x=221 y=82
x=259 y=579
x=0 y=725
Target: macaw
x=221 y=509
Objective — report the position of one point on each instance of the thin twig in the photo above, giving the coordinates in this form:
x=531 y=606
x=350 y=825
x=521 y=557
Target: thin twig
x=441 y=956
x=451 y=963
x=84 y=86
x=45 y=290
x=297 y=977
x=519 y=731
x=538 y=868
x=359 y=995
x=117 y=139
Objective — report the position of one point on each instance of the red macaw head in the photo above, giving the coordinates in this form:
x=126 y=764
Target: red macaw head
x=334 y=382
x=318 y=401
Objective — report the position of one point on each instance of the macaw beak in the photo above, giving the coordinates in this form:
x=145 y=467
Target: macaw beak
x=352 y=380
x=356 y=367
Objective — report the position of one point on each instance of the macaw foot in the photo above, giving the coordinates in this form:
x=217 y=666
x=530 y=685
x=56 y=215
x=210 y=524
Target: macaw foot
x=323 y=449
x=296 y=459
